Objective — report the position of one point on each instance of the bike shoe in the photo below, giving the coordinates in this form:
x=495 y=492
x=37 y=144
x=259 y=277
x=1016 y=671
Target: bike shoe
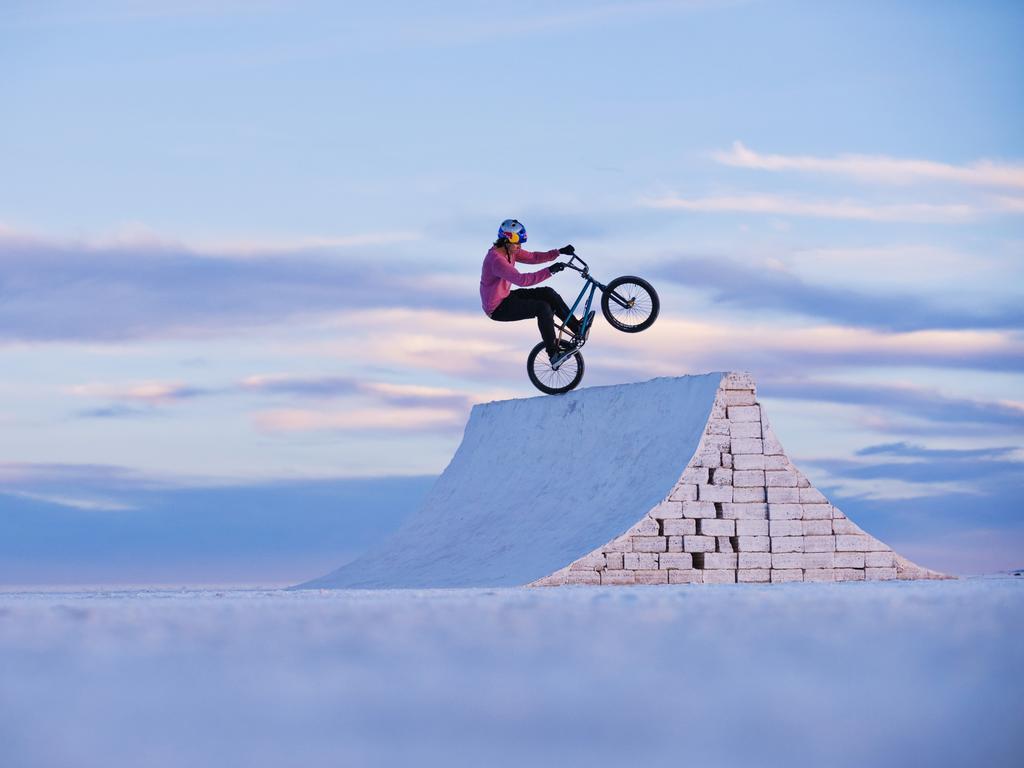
x=590 y=323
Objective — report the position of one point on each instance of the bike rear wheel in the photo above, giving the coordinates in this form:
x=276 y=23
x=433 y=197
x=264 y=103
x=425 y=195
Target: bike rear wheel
x=630 y=304
x=547 y=379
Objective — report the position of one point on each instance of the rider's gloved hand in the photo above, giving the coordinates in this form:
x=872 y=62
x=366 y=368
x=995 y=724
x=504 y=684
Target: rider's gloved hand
x=567 y=250
x=555 y=268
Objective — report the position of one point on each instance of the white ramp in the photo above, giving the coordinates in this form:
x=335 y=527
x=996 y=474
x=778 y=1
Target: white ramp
x=540 y=482
x=671 y=481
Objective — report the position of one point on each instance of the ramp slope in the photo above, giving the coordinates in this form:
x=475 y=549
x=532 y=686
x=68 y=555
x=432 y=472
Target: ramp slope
x=670 y=481
x=538 y=483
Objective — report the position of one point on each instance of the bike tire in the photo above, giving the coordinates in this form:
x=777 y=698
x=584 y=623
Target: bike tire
x=642 y=297
x=552 y=382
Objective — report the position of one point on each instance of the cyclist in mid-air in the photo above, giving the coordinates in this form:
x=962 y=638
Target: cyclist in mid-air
x=502 y=303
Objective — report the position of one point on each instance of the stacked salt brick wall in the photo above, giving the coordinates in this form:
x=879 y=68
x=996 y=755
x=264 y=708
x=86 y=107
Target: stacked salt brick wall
x=740 y=512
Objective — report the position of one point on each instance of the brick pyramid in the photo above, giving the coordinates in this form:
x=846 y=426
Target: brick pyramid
x=740 y=512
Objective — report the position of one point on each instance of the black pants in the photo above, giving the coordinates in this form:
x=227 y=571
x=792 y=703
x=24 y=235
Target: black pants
x=542 y=303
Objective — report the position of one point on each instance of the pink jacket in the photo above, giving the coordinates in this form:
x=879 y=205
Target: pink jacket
x=498 y=272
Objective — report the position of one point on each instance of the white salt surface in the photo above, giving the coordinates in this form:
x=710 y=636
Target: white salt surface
x=801 y=674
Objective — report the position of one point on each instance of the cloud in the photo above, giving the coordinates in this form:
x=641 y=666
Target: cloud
x=143 y=288
x=879 y=168
x=87 y=504
x=150 y=392
x=908 y=401
x=762 y=286
x=854 y=210
x=359 y=420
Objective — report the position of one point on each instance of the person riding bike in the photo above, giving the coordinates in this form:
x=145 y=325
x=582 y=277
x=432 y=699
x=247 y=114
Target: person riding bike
x=502 y=303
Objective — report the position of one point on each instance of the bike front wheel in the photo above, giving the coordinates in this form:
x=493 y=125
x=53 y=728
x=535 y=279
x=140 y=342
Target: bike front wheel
x=551 y=381
x=630 y=304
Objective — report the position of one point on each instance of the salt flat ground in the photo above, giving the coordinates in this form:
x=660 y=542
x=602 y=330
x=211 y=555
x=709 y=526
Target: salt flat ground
x=800 y=674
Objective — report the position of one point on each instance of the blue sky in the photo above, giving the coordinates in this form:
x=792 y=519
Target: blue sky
x=240 y=243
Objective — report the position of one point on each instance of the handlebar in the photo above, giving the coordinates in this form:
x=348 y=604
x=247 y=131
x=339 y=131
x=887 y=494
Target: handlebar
x=584 y=270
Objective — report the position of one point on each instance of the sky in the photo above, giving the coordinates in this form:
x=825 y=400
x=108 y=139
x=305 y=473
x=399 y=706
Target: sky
x=240 y=245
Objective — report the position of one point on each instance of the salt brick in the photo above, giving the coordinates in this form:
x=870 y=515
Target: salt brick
x=859 y=544
x=699 y=543
x=614 y=560
x=745 y=429
x=751 y=511
x=751 y=527
x=849 y=560
x=812 y=496
x=711 y=459
x=879 y=574
x=646 y=526
x=755 y=560
x=802 y=482
x=724 y=544
x=817 y=511
x=784 y=511
x=649 y=544
x=747 y=495
x=739 y=397
x=594 y=561
x=583 y=577
x=847 y=527
x=819 y=543
x=726 y=460
x=738 y=380
x=617 y=577
x=695 y=475
x=849 y=574
x=720 y=576
x=744 y=413
x=817 y=527
x=718 y=427
x=635 y=561
x=714 y=493
x=699 y=509
x=717 y=409
x=667 y=510
x=787 y=544
x=753 y=576
x=786 y=528
x=787 y=560
x=837 y=514
x=749 y=478
x=772 y=446
x=818 y=574
x=553 y=580
x=880 y=560
x=711 y=527
x=740 y=445
x=788 y=574
x=721 y=477
x=683 y=527
x=753 y=543
x=684 y=493
x=818 y=560
x=748 y=461
x=675 y=543
x=783 y=478
x=776 y=462
x=716 y=560
x=621 y=544
x=685 y=577
x=651 y=577
x=716 y=443
x=784 y=495
x=680 y=560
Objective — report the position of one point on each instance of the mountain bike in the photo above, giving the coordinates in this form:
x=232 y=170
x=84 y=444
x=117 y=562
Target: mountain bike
x=629 y=304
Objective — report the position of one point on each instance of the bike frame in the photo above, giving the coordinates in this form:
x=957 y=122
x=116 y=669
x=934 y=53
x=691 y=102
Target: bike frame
x=593 y=285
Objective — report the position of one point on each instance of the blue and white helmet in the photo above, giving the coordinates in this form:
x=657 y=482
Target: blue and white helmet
x=512 y=231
